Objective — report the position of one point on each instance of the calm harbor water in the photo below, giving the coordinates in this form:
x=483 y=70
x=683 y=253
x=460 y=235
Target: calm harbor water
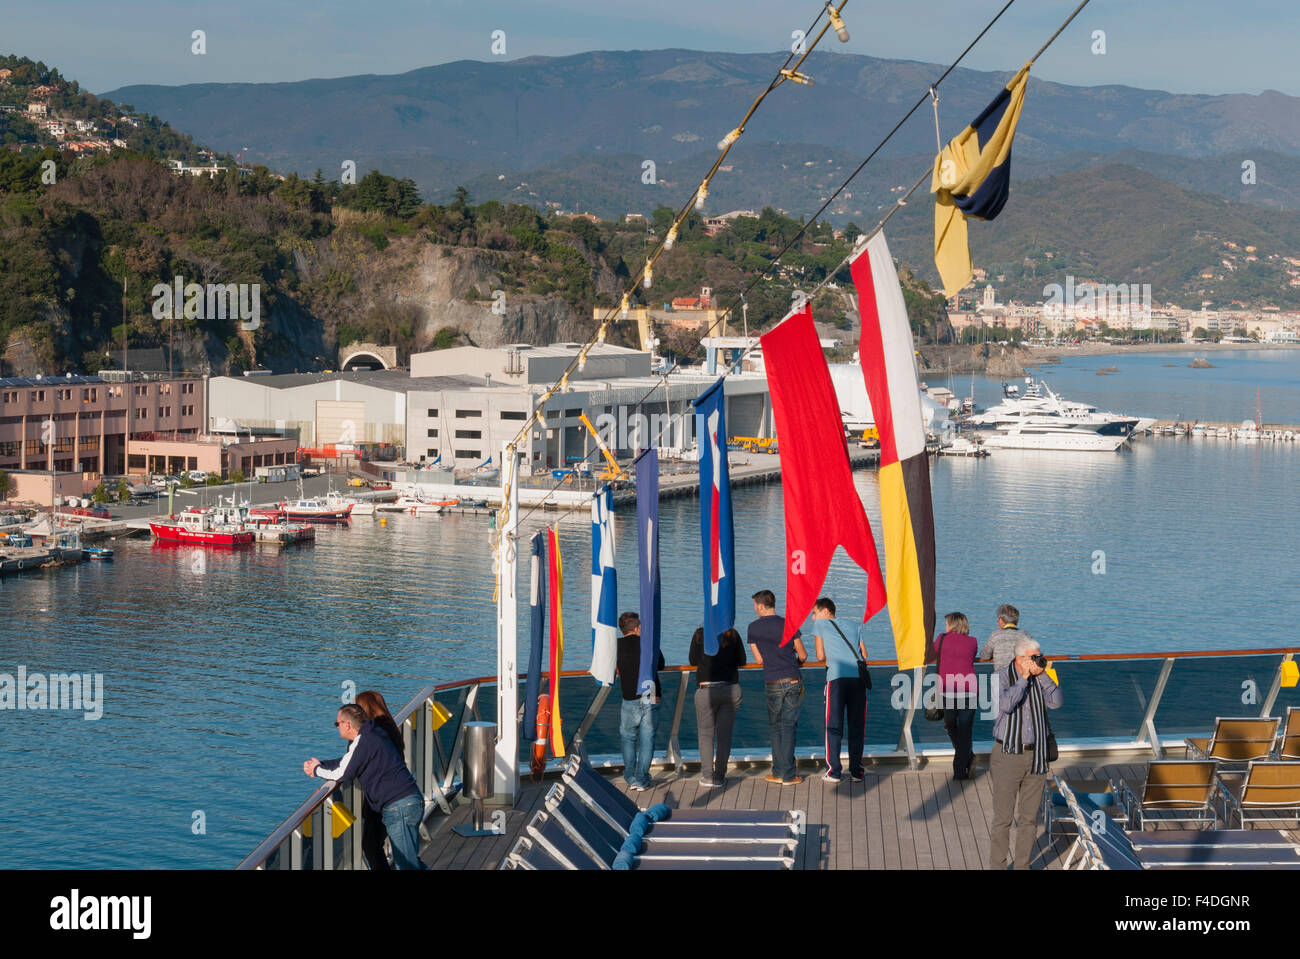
x=222 y=676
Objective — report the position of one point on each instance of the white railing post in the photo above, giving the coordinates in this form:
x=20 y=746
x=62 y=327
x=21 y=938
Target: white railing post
x=507 y=745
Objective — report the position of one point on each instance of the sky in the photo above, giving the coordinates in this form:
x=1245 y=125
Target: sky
x=1192 y=46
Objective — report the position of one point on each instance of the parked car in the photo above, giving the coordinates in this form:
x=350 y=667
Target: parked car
x=198 y=476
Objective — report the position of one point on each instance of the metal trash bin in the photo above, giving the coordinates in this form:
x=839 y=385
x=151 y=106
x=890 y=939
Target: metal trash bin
x=478 y=774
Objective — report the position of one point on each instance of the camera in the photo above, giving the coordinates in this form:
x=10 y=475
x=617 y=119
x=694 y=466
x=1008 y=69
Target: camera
x=1039 y=660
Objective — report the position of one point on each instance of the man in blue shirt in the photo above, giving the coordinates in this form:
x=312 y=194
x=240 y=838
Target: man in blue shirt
x=783 y=680
x=389 y=787
x=845 y=692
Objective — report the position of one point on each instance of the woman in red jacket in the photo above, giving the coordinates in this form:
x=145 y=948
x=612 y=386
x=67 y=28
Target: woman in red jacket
x=956 y=668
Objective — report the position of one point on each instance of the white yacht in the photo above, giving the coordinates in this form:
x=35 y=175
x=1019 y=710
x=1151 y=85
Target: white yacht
x=1038 y=402
x=1042 y=434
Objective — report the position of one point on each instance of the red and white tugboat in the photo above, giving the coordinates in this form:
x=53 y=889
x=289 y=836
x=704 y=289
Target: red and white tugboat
x=201 y=527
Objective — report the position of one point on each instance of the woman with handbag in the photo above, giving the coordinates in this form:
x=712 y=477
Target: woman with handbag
x=717 y=698
x=847 y=682
x=955 y=655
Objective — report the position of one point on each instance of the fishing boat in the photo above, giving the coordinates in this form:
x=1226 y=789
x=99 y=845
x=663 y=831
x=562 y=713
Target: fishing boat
x=98 y=552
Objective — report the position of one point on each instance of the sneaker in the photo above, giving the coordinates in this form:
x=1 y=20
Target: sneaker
x=709 y=784
x=774 y=779
x=792 y=782
x=858 y=777
x=637 y=787
x=832 y=778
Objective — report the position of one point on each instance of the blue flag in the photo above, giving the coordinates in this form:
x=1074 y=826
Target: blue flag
x=716 y=534
x=604 y=589
x=647 y=524
x=537 y=617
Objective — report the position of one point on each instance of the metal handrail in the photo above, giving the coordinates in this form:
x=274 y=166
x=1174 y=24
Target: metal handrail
x=293 y=823
x=288 y=835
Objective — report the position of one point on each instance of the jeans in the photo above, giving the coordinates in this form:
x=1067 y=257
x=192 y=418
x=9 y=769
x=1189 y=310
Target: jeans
x=715 y=716
x=783 y=703
x=846 y=695
x=959 y=724
x=402 y=820
x=636 y=727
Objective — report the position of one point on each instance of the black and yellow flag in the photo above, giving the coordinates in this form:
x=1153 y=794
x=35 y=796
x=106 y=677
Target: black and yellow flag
x=972 y=177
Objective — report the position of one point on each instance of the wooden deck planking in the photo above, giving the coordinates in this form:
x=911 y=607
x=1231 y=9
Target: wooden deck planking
x=876 y=843
x=858 y=818
x=897 y=818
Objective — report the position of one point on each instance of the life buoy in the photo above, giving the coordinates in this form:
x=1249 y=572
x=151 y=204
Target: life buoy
x=538 y=764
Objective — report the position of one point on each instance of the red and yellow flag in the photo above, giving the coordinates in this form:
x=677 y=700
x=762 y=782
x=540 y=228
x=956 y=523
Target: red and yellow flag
x=906 y=514
x=557 y=639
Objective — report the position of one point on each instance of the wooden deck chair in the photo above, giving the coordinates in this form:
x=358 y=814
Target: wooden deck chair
x=1288 y=748
x=1176 y=790
x=1236 y=741
x=1267 y=790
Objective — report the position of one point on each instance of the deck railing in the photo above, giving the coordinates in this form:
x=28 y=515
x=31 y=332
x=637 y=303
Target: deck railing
x=1141 y=702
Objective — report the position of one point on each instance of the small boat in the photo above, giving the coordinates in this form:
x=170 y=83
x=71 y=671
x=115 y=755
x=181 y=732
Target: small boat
x=316 y=510
x=1198 y=430
x=98 y=552
x=283 y=534
x=961 y=446
x=403 y=504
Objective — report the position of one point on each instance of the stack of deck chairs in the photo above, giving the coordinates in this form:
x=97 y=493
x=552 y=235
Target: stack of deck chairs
x=588 y=823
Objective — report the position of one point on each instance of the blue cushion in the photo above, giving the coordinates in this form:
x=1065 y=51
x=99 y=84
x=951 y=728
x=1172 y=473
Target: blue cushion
x=623 y=861
x=658 y=812
x=1097 y=799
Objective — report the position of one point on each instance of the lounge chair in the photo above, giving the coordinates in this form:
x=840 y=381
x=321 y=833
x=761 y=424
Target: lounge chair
x=1267 y=790
x=1106 y=846
x=1056 y=812
x=528 y=854
x=601 y=843
x=660 y=824
x=1288 y=748
x=552 y=838
x=1176 y=790
x=1236 y=741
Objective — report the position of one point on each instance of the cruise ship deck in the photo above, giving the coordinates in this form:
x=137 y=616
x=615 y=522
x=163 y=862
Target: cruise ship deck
x=897 y=818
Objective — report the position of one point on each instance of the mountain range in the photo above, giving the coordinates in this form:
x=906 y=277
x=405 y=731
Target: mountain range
x=578 y=130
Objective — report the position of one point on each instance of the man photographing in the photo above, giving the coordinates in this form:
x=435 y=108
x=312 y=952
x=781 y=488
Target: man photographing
x=1020 y=760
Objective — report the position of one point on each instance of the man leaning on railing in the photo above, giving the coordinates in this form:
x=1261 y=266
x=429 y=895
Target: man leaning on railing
x=1023 y=750
x=388 y=785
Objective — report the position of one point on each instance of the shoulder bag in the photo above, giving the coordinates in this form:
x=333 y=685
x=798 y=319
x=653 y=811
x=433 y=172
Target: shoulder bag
x=864 y=672
x=935 y=713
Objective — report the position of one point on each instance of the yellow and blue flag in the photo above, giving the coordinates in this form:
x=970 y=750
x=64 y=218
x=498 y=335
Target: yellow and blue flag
x=972 y=177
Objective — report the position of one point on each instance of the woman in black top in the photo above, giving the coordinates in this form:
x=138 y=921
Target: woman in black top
x=717 y=697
